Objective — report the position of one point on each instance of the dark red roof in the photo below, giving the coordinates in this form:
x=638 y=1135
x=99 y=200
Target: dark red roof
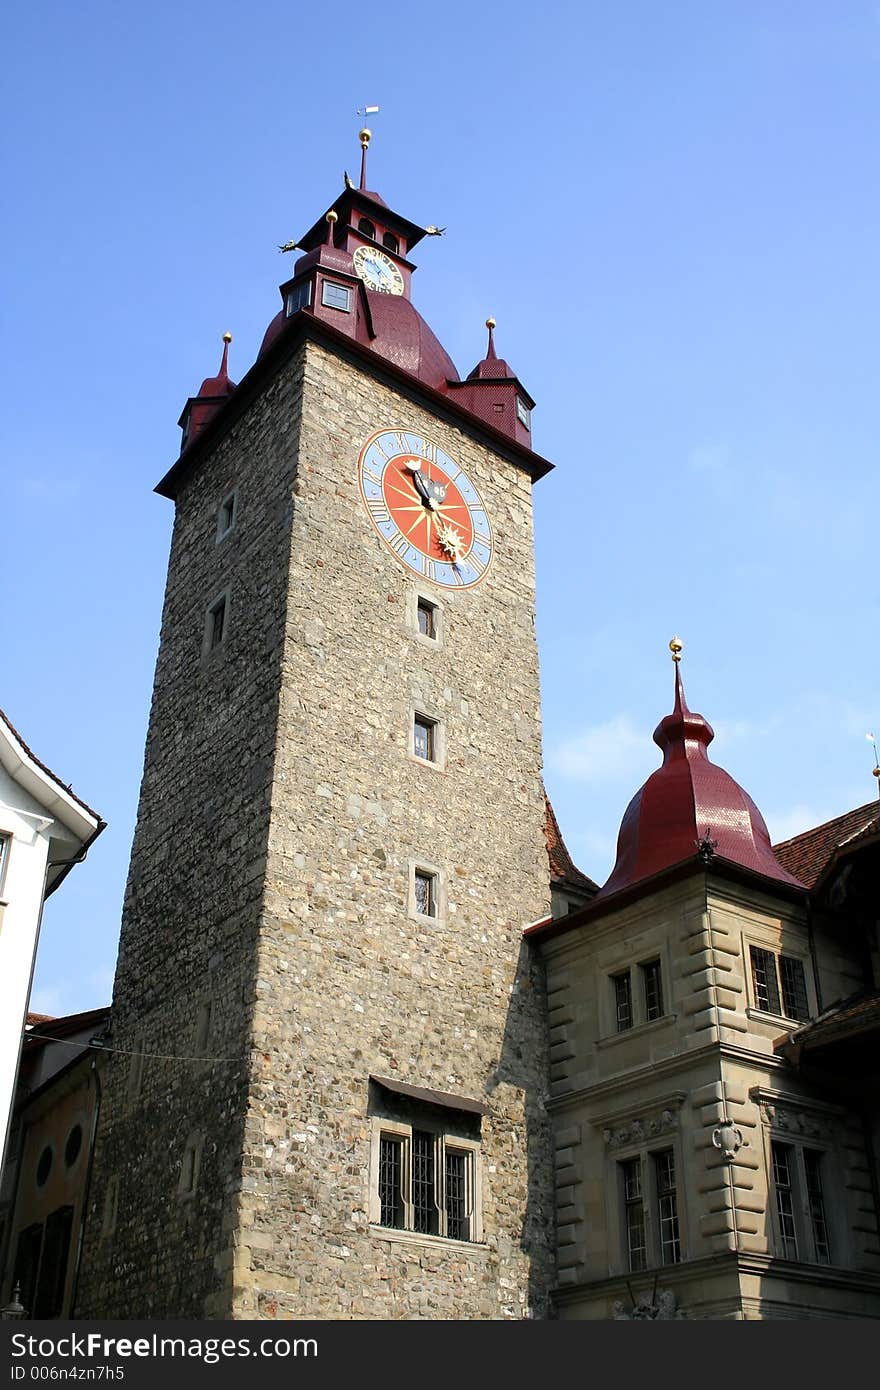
x=809 y=855
x=686 y=801
x=38 y=1018
x=853 y=1018
x=562 y=867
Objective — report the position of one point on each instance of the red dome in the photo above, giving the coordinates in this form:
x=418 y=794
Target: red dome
x=401 y=336
x=406 y=340
x=686 y=801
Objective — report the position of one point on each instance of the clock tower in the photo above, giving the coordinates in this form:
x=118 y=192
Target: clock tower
x=326 y=1091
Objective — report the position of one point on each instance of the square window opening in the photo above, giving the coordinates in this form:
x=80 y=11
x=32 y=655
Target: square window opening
x=425 y=738
x=336 y=296
x=427 y=618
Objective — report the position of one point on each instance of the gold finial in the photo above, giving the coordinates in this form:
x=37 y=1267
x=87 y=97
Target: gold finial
x=227 y=337
x=365 y=136
x=332 y=216
x=490 y=323
x=675 y=647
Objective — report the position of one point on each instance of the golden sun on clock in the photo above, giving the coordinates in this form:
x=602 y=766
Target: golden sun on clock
x=425 y=507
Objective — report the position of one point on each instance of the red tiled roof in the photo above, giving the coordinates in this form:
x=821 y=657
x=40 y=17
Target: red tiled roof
x=845 y=1020
x=807 y=856
x=33 y=1019
x=55 y=1029
x=562 y=866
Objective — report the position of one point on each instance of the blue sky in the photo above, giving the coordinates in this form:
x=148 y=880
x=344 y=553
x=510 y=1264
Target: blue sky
x=672 y=212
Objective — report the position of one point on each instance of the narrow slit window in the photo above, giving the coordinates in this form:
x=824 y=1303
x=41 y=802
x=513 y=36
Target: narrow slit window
x=653 y=990
x=391 y=1212
x=622 y=1001
x=667 y=1208
x=816 y=1204
x=226 y=516
x=782 y=1156
x=426 y=893
x=216 y=623
x=634 y=1214
x=427 y=618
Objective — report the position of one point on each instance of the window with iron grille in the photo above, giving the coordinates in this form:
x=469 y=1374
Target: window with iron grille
x=426 y=1183
x=779 y=984
x=622 y=1001
x=634 y=1214
x=653 y=990
x=667 y=1207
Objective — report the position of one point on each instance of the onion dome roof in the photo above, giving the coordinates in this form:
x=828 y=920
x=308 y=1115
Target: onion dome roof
x=690 y=806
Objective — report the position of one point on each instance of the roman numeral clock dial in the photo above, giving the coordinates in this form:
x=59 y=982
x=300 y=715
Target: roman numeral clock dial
x=425 y=508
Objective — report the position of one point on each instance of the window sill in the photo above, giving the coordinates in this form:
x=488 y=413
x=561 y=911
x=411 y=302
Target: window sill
x=433 y=763
x=637 y=1031
x=392 y=1233
x=777 y=1020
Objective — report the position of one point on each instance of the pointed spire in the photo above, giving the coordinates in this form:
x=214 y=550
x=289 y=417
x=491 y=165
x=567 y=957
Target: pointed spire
x=365 y=136
x=332 y=219
x=681 y=726
x=223 y=374
x=491 y=354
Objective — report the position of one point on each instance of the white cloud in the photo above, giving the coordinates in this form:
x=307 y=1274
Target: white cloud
x=783 y=825
x=602 y=752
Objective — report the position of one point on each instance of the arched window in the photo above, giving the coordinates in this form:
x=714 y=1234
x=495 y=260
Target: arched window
x=390 y=240
x=366 y=228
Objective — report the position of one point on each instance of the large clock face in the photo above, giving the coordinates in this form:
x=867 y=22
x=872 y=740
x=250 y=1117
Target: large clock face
x=377 y=270
x=425 y=508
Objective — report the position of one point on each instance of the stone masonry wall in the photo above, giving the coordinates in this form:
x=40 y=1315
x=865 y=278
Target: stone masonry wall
x=281 y=812
x=350 y=984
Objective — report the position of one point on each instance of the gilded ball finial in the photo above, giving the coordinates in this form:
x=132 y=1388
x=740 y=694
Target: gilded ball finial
x=332 y=216
x=365 y=136
x=876 y=771
x=490 y=323
x=227 y=337
x=675 y=647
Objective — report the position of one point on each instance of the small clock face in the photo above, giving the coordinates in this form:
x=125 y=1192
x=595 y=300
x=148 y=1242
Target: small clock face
x=425 y=508
x=377 y=271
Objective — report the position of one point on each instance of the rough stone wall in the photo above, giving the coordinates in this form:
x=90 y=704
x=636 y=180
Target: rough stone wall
x=350 y=984
x=192 y=907
x=270 y=877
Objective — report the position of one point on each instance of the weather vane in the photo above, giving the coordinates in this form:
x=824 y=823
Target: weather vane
x=366 y=110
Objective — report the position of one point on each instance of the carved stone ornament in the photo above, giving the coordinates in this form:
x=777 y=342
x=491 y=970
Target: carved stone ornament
x=637 y=1131
x=728 y=1138
x=796 y=1122
x=661 y=1306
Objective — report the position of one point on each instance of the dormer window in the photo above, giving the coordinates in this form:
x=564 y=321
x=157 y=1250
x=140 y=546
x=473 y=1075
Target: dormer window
x=336 y=296
x=523 y=414
x=299 y=298
x=390 y=240
x=366 y=228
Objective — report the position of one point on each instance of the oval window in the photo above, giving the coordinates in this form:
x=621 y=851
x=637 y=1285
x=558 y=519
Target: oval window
x=44 y=1166
x=73 y=1145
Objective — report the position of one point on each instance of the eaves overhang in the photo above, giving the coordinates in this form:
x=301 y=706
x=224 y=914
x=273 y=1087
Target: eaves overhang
x=553 y=927
x=305 y=326
x=59 y=802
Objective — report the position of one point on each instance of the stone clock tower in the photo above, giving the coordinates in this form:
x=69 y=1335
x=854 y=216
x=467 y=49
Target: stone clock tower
x=326 y=1095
